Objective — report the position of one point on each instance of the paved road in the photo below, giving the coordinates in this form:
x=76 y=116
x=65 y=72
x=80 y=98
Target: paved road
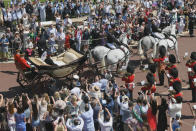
x=9 y=86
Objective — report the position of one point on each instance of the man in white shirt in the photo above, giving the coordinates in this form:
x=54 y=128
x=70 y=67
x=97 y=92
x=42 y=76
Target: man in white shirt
x=107 y=124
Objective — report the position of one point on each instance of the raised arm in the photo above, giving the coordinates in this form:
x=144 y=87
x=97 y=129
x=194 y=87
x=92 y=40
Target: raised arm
x=1 y=101
x=108 y=113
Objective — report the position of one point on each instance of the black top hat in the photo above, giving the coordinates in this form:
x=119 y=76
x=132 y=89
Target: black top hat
x=174 y=72
x=193 y=55
x=150 y=78
x=177 y=86
x=172 y=59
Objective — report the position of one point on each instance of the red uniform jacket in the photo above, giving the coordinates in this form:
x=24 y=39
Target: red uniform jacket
x=172 y=80
x=161 y=59
x=23 y=64
x=170 y=67
x=190 y=65
x=161 y=63
x=67 y=43
x=192 y=84
x=128 y=81
x=16 y=57
x=176 y=95
x=151 y=88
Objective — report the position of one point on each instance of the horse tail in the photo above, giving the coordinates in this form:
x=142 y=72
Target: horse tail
x=103 y=63
x=140 y=47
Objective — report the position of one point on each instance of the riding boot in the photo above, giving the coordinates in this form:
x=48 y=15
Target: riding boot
x=161 y=78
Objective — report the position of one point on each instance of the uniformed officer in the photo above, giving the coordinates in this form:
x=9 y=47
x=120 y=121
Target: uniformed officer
x=161 y=64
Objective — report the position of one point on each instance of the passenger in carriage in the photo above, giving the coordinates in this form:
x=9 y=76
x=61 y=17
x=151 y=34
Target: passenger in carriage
x=49 y=61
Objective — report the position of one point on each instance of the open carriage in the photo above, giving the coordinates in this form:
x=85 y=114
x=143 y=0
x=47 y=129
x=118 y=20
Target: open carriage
x=41 y=74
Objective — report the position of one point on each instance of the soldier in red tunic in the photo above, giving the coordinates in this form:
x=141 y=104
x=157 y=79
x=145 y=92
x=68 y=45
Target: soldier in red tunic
x=150 y=86
x=173 y=76
x=152 y=69
x=190 y=63
x=193 y=83
x=129 y=78
x=172 y=63
x=177 y=86
x=161 y=64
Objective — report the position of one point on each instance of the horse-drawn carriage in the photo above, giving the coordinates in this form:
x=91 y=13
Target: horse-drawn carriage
x=41 y=74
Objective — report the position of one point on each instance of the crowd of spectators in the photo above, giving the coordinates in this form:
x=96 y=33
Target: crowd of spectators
x=101 y=104
x=24 y=22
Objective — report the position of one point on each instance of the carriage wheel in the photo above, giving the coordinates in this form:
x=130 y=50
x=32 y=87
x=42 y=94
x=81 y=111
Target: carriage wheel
x=22 y=81
x=41 y=83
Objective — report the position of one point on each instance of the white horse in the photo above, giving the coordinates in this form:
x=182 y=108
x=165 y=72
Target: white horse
x=149 y=42
x=110 y=56
x=171 y=43
x=116 y=57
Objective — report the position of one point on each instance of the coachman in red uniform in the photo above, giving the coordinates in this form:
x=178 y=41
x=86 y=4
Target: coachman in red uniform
x=23 y=63
x=17 y=58
x=161 y=64
x=129 y=78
